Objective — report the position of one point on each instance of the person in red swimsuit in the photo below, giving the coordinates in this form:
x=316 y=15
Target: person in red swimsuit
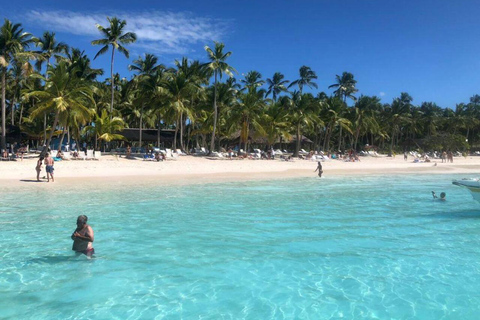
x=83 y=237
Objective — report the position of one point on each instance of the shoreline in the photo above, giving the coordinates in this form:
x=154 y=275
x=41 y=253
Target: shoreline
x=198 y=170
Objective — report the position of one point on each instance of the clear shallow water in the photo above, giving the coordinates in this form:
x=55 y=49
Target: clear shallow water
x=352 y=248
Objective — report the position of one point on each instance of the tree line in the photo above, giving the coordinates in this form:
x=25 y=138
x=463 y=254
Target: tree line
x=204 y=101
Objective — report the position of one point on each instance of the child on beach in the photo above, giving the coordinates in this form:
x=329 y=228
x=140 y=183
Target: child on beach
x=39 y=167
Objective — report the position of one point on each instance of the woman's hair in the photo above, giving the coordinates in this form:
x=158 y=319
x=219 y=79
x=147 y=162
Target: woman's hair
x=41 y=158
x=82 y=218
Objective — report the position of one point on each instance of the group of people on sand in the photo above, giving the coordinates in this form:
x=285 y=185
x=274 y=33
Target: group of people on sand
x=49 y=162
x=447 y=156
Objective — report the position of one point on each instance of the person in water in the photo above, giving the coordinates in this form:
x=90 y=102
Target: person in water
x=319 y=169
x=442 y=196
x=83 y=237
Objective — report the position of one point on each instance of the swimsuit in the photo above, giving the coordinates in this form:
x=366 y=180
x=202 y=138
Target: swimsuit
x=49 y=169
x=88 y=252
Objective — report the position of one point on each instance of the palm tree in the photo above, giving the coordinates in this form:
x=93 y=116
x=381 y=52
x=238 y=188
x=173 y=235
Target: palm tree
x=114 y=37
x=218 y=66
x=81 y=62
x=146 y=66
x=146 y=69
x=345 y=86
x=49 y=47
x=63 y=94
x=13 y=42
x=178 y=90
x=364 y=118
x=253 y=80
x=105 y=129
x=307 y=76
x=276 y=85
x=333 y=114
x=398 y=114
x=303 y=113
x=246 y=113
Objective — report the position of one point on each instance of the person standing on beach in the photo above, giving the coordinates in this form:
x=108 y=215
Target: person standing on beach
x=83 y=237
x=319 y=169
x=49 y=167
x=39 y=167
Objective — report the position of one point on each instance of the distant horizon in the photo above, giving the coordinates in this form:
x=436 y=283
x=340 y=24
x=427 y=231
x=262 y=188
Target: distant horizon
x=424 y=49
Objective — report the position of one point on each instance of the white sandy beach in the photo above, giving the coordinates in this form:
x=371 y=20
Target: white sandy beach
x=190 y=169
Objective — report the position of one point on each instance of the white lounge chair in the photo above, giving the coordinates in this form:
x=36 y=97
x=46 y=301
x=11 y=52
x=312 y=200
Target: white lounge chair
x=180 y=152
x=90 y=155
x=98 y=155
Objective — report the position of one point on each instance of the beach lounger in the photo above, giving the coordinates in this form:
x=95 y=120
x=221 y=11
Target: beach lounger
x=90 y=155
x=180 y=152
x=98 y=155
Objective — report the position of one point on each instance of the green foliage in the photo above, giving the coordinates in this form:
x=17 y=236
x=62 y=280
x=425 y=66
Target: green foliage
x=453 y=142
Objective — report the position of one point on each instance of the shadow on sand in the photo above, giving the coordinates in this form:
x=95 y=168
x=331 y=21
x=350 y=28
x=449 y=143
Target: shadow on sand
x=26 y=180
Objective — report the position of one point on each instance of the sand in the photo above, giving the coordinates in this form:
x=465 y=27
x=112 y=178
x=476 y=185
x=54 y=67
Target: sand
x=190 y=169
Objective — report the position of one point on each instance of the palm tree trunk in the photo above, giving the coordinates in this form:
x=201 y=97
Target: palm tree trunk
x=12 y=114
x=140 y=127
x=45 y=128
x=297 y=148
x=356 y=138
x=175 y=137
x=4 y=133
x=212 y=142
x=181 y=132
x=61 y=139
x=113 y=82
x=21 y=114
x=158 y=135
x=57 y=114
x=340 y=139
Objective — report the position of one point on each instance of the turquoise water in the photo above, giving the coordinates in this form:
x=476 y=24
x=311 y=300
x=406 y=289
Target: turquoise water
x=352 y=248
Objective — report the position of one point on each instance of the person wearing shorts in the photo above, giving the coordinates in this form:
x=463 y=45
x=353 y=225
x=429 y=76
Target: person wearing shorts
x=49 y=167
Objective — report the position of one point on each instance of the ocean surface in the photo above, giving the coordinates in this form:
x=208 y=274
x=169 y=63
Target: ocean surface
x=330 y=248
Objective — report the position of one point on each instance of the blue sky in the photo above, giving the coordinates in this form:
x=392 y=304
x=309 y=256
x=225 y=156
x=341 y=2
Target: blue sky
x=429 y=49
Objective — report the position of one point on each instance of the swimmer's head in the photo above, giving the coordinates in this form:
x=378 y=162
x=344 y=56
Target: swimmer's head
x=442 y=195
x=82 y=219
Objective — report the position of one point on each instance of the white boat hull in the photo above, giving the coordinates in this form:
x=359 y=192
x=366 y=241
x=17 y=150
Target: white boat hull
x=473 y=185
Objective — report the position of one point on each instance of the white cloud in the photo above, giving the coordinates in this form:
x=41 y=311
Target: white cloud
x=157 y=32
x=381 y=94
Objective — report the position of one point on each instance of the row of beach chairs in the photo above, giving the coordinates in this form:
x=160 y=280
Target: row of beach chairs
x=91 y=155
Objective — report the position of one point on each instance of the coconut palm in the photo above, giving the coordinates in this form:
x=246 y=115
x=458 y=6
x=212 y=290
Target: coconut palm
x=398 y=113
x=115 y=37
x=146 y=66
x=49 y=47
x=253 y=80
x=218 y=66
x=81 y=62
x=307 y=75
x=178 y=91
x=246 y=113
x=345 y=86
x=303 y=113
x=333 y=115
x=364 y=119
x=105 y=129
x=63 y=93
x=13 y=42
x=276 y=85
x=146 y=69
